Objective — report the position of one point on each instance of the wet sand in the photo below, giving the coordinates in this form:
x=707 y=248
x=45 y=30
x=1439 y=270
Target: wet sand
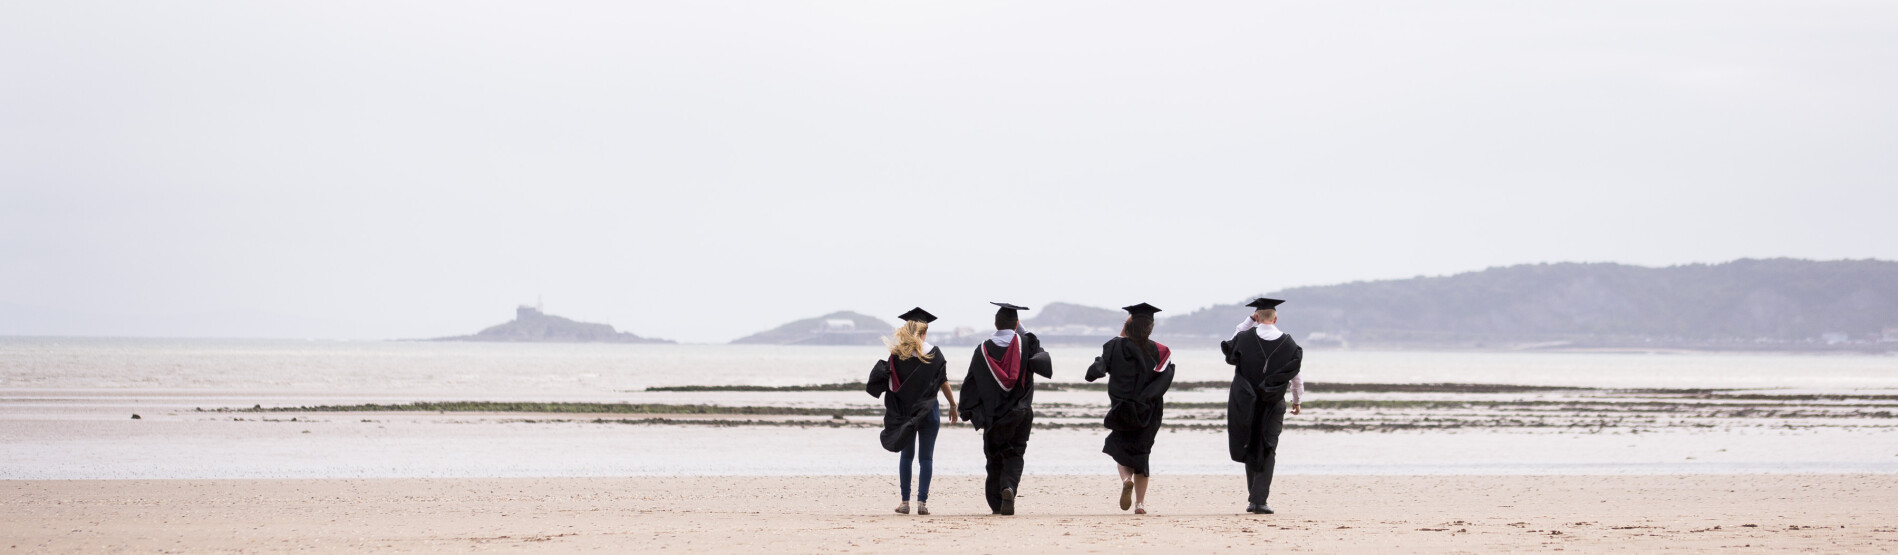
x=1827 y=513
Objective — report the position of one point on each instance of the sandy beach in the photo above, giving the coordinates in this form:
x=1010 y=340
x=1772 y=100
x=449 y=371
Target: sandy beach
x=563 y=448
x=1826 y=513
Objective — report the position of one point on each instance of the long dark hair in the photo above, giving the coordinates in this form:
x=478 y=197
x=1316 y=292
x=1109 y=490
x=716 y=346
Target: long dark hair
x=1138 y=329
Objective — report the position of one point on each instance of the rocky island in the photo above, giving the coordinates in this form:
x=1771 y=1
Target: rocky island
x=837 y=328
x=1060 y=323
x=530 y=325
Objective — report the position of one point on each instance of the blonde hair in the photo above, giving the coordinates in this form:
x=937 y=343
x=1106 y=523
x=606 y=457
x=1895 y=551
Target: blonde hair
x=908 y=341
x=1267 y=313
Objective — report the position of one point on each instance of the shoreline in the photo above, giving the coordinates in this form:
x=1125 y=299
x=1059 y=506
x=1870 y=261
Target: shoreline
x=1191 y=513
x=1368 y=429
x=1330 y=408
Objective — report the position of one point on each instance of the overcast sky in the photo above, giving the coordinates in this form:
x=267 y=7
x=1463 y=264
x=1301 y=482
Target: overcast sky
x=700 y=170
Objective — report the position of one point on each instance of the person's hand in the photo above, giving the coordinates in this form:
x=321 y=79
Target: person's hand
x=1294 y=409
x=952 y=414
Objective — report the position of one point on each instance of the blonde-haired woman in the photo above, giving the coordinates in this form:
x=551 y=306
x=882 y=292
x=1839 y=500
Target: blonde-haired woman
x=908 y=381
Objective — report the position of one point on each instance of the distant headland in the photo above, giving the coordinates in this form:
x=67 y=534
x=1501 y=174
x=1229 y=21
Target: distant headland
x=1743 y=305
x=530 y=325
x=837 y=328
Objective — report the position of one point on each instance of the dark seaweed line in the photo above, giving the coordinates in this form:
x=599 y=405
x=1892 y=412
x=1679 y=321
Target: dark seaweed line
x=1349 y=426
x=557 y=408
x=1766 y=397
x=853 y=386
x=728 y=423
x=1315 y=387
x=1882 y=415
x=1530 y=407
x=1329 y=387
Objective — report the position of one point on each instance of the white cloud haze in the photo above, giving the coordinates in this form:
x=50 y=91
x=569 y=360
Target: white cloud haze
x=703 y=170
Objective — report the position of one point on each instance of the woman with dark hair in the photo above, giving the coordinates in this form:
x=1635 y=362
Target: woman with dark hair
x=907 y=381
x=1138 y=372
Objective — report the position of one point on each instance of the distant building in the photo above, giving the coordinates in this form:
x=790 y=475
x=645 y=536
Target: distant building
x=837 y=325
x=1890 y=336
x=1319 y=338
x=1834 y=338
x=1078 y=330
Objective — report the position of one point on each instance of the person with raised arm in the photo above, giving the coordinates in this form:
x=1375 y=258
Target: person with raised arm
x=1138 y=373
x=1265 y=362
x=908 y=380
x=998 y=396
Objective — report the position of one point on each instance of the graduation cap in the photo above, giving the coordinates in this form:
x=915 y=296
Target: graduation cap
x=918 y=315
x=1264 y=303
x=1008 y=309
x=1142 y=309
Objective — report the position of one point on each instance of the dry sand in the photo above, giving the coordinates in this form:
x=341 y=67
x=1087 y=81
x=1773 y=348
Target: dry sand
x=1825 y=513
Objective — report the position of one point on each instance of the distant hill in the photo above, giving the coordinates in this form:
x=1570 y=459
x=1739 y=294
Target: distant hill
x=837 y=328
x=531 y=325
x=1068 y=314
x=1068 y=323
x=1776 y=303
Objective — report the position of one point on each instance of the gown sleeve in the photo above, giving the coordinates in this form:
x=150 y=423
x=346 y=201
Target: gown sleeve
x=1038 y=361
x=939 y=370
x=1285 y=372
x=1159 y=385
x=968 y=399
x=1041 y=364
x=1098 y=370
x=879 y=381
x=1123 y=375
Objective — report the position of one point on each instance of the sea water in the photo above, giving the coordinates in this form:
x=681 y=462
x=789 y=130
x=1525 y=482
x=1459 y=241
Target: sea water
x=65 y=406
x=551 y=369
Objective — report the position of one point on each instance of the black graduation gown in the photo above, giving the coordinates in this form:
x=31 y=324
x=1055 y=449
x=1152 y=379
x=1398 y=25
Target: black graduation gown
x=1261 y=371
x=985 y=404
x=906 y=408
x=1005 y=416
x=1137 y=400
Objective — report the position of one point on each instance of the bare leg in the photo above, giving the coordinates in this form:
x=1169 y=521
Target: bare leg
x=1126 y=487
x=1140 y=491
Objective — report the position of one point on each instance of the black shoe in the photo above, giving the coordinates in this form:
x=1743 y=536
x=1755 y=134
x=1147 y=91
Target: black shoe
x=1252 y=508
x=1264 y=510
x=1008 y=501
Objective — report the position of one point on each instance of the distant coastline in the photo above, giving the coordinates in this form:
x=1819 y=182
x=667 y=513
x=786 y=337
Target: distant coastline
x=837 y=328
x=1774 y=305
x=531 y=325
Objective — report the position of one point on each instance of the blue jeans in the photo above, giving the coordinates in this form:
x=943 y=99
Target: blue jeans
x=926 y=437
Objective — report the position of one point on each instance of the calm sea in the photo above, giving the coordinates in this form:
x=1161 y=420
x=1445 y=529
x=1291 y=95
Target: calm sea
x=66 y=406
x=496 y=370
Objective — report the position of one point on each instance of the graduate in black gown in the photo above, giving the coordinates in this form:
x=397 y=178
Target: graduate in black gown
x=998 y=397
x=908 y=380
x=1138 y=373
x=1265 y=360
